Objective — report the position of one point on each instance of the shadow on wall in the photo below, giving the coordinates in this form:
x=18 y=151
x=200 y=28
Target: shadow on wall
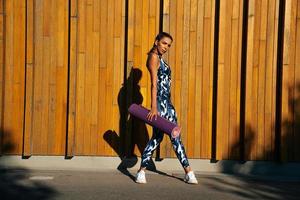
x=286 y=151
x=291 y=127
x=133 y=132
x=15 y=183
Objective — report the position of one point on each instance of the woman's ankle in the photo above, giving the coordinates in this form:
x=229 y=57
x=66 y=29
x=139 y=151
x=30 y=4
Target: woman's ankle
x=142 y=169
x=187 y=169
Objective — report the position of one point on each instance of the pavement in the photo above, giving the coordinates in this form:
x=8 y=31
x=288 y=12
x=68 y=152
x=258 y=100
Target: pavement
x=118 y=184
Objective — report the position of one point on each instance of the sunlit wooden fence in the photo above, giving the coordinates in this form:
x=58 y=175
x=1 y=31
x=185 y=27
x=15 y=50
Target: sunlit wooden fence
x=70 y=69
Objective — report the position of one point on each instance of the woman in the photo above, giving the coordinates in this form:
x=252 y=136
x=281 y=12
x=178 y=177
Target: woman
x=161 y=105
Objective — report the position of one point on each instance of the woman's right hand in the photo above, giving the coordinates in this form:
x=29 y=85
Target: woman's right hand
x=152 y=114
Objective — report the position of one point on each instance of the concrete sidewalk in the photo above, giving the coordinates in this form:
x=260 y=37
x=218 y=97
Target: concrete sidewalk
x=54 y=177
x=113 y=184
x=96 y=163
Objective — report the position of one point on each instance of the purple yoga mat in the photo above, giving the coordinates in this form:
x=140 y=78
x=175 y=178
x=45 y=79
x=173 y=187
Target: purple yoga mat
x=161 y=123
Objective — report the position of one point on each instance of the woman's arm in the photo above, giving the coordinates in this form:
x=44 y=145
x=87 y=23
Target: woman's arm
x=152 y=65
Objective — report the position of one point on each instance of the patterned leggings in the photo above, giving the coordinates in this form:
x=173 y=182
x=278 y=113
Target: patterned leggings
x=155 y=141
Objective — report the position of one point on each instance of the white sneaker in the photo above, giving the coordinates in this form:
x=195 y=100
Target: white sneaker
x=190 y=178
x=140 y=177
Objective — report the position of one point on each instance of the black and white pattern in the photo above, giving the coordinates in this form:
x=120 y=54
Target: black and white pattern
x=166 y=110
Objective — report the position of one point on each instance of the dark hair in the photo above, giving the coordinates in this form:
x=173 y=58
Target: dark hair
x=161 y=35
x=158 y=37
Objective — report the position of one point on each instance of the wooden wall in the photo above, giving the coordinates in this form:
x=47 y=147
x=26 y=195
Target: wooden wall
x=70 y=69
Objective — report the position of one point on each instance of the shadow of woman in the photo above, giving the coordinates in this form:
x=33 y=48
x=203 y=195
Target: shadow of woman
x=133 y=132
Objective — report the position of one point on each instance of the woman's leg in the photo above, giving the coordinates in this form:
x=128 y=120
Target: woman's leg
x=180 y=153
x=151 y=146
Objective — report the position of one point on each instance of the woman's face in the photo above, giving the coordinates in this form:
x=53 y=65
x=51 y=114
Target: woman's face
x=163 y=45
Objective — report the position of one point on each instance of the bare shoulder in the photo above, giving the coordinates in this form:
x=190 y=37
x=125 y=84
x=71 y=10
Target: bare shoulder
x=152 y=61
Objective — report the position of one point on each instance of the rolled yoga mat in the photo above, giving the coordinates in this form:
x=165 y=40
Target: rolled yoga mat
x=161 y=123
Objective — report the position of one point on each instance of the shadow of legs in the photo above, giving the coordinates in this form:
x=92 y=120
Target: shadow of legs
x=127 y=163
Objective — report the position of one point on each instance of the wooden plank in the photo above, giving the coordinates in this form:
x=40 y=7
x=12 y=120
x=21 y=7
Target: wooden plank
x=178 y=63
x=292 y=95
x=223 y=102
x=72 y=82
x=200 y=35
x=206 y=66
x=274 y=127
x=101 y=111
x=144 y=41
x=191 y=94
x=184 y=84
x=94 y=94
x=62 y=78
x=27 y=145
x=166 y=149
x=234 y=98
x=80 y=80
x=255 y=79
x=2 y=66
x=13 y=94
x=73 y=8
x=227 y=76
x=80 y=91
x=37 y=90
x=192 y=77
x=211 y=85
x=11 y=73
x=89 y=76
x=103 y=34
x=289 y=85
x=220 y=85
x=172 y=12
x=81 y=25
x=96 y=15
x=252 y=70
x=45 y=140
x=118 y=18
x=270 y=92
x=198 y=125
x=261 y=83
x=130 y=37
x=7 y=72
x=297 y=86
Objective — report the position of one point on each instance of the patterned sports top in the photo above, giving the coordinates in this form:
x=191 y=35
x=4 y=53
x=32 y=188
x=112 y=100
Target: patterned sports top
x=164 y=105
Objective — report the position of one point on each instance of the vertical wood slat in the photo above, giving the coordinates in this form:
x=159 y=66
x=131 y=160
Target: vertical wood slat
x=14 y=77
x=297 y=85
x=27 y=146
x=261 y=80
x=2 y=66
x=270 y=100
x=228 y=101
x=207 y=88
x=72 y=78
x=290 y=84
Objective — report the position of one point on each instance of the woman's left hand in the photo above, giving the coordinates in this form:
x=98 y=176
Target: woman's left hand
x=152 y=114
